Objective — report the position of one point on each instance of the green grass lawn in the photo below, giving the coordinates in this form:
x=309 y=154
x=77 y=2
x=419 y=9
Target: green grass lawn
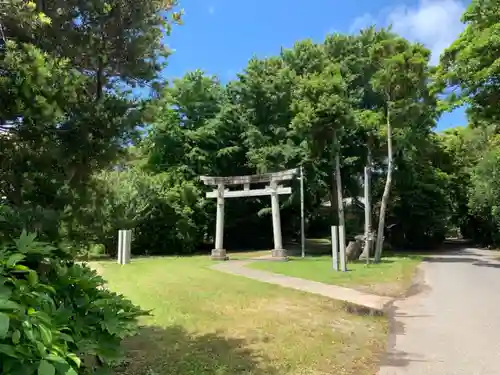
x=206 y=322
x=392 y=277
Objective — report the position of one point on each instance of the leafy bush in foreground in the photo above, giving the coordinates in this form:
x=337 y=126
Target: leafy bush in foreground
x=56 y=317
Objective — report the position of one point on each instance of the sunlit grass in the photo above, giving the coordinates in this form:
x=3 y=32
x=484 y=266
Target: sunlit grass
x=206 y=322
x=392 y=277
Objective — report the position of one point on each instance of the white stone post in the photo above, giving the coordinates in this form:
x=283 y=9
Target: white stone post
x=278 y=251
x=368 y=225
x=343 y=260
x=120 y=247
x=335 y=248
x=124 y=246
x=219 y=253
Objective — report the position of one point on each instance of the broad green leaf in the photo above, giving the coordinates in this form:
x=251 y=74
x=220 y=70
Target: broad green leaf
x=70 y=371
x=8 y=351
x=75 y=359
x=46 y=368
x=55 y=358
x=14 y=259
x=47 y=288
x=28 y=331
x=5 y=292
x=62 y=366
x=45 y=334
x=42 y=317
x=16 y=337
x=65 y=337
x=42 y=349
x=25 y=241
x=32 y=278
x=4 y=325
x=9 y=305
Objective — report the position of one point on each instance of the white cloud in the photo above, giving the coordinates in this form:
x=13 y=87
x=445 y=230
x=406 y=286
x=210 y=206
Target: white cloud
x=435 y=23
x=362 y=22
x=211 y=9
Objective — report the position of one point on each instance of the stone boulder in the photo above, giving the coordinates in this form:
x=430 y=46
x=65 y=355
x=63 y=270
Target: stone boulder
x=354 y=249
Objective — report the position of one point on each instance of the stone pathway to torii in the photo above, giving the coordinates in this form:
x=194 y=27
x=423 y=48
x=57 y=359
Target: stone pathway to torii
x=358 y=301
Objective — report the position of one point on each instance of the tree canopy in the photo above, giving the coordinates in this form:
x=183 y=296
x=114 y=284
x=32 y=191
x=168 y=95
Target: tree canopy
x=83 y=154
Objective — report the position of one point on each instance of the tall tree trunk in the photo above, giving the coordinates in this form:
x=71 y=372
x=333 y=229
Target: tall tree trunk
x=387 y=189
x=99 y=79
x=334 y=202
x=340 y=198
x=368 y=202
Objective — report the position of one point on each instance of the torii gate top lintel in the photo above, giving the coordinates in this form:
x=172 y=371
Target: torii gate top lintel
x=250 y=179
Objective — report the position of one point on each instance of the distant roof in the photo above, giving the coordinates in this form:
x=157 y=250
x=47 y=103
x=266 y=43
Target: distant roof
x=347 y=201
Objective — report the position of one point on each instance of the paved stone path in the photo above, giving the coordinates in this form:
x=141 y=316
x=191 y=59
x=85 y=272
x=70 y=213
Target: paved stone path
x=452 y=327
x=356 y=298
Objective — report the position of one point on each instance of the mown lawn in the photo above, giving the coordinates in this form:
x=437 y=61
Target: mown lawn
x=206 y=322
x=392 y=277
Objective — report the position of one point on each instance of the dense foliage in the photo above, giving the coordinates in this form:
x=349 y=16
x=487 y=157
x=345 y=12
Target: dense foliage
x=56 y=316
x=64 y=109
x=470 y=74
x=64 y=115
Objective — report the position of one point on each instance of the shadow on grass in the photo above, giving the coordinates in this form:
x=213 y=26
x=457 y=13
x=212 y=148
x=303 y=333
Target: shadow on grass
x=173 y=350
x=93 y=258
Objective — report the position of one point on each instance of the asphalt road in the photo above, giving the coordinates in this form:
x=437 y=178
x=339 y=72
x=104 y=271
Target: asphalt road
x=451 y=326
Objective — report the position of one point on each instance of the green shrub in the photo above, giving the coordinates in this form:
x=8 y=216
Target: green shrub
x=56 y=317
x=161 y=211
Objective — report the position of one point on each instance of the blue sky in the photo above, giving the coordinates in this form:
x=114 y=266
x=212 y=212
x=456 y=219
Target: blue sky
x=220 y=36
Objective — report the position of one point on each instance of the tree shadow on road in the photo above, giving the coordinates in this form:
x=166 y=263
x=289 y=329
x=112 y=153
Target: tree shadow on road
x=393 y=357
x=487 y=264
x=173 y=350
x=450 y=259
x=477 y=261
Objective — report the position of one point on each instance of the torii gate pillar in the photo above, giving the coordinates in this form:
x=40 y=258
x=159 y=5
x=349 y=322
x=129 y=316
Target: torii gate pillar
x=273 y=189
x=278 y=251
x=219 y=253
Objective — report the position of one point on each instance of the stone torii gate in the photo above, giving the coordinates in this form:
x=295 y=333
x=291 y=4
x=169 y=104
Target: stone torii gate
x=273 y=189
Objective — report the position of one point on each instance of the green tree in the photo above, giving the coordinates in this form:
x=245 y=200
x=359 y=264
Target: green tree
x=472 y=150
x=402 y=76
x=63 y=113
x=469 y=68
x=52 y=134
x=322 y=111
x=112 y=41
